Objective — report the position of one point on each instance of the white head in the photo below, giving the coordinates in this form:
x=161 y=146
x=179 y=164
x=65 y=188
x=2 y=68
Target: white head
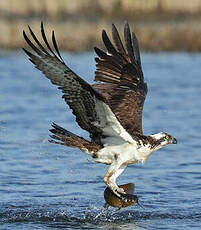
x=162 y=139
x=151 y=143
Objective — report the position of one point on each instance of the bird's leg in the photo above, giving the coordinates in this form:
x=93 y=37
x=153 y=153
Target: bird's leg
x=115 y=169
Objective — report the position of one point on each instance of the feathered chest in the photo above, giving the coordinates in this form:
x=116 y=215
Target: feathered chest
x=143 y=151
x=125 y=154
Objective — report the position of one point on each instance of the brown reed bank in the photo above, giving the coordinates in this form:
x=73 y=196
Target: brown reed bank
x=159 y=24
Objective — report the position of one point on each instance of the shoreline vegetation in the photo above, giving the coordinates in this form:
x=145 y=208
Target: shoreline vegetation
x=160 y=25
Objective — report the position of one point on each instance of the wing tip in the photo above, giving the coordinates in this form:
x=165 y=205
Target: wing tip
x=126 y=25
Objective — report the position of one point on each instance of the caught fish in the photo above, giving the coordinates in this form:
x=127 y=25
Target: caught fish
x=129 y=199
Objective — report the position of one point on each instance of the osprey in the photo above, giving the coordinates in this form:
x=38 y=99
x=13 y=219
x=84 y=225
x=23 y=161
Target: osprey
x=110 y=110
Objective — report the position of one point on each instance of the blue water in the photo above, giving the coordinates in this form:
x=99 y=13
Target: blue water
x=47 y=186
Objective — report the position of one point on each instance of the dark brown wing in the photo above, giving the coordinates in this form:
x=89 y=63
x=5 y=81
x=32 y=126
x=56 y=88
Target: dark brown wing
x=78 y=94
x=122 y=82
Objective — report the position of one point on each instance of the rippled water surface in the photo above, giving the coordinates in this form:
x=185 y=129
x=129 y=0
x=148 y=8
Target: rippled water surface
x=46 y=186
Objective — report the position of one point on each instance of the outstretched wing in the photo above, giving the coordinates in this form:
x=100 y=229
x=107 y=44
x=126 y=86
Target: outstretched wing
x=122 y=82
x=88 y=105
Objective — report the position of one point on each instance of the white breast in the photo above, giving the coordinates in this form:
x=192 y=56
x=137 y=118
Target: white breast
x=126 y=153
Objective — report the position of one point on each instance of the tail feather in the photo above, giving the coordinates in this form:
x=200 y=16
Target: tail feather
x=64 y=137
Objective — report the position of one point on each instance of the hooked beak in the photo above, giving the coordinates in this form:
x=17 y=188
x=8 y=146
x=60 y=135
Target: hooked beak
x=174 y=141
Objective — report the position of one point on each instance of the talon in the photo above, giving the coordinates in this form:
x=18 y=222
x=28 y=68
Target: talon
x=124 y=199
x=120 y=190
x=129 y=198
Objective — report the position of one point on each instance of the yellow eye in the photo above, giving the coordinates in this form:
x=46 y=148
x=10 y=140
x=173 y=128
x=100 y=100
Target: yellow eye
x=166 y=137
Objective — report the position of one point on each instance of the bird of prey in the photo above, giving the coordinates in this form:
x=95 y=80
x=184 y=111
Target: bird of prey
x=110 y=110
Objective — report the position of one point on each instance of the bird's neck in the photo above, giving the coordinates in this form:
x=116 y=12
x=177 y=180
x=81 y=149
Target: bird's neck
x=146 y=145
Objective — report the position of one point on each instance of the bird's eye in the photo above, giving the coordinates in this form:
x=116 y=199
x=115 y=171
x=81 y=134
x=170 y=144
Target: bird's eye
x=166 y=137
